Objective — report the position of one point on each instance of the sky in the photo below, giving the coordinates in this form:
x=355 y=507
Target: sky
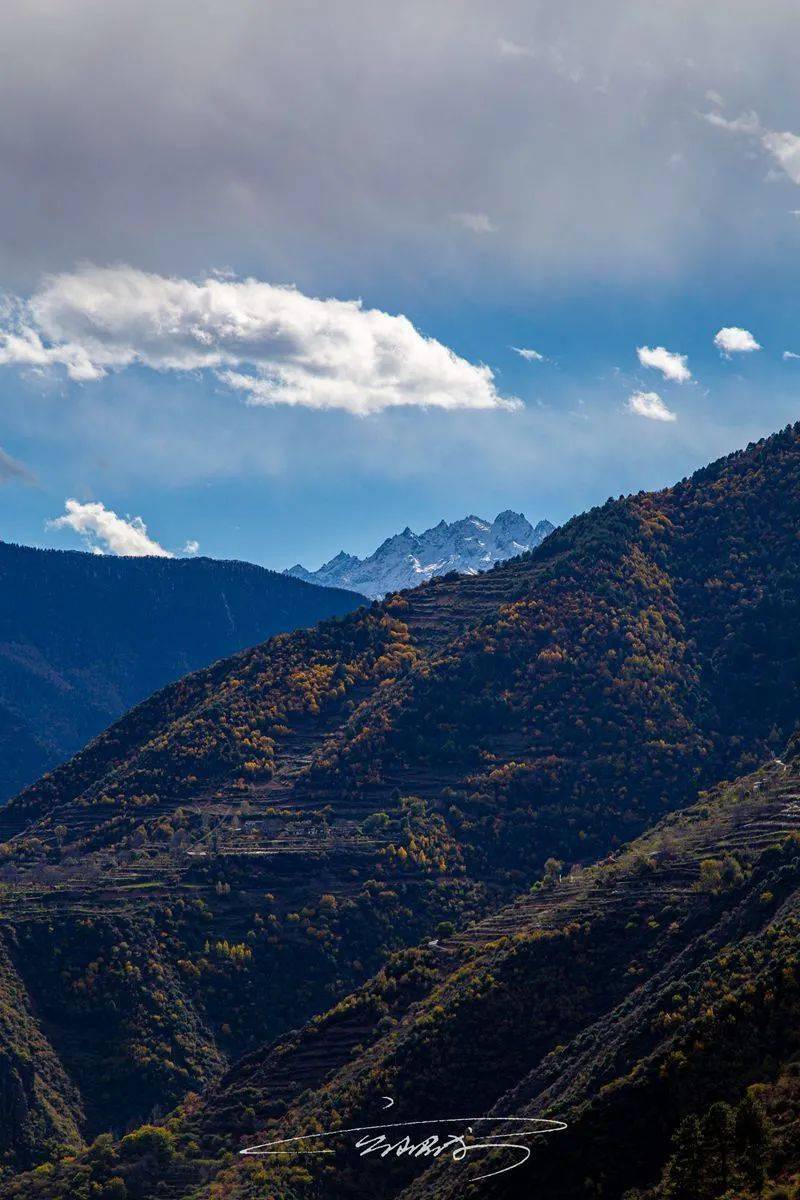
x=279 y=280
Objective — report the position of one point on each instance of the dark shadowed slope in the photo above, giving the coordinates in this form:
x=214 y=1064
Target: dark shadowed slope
x=620 y=999
x=252 y=843
x=624 y=998
x=84 y=637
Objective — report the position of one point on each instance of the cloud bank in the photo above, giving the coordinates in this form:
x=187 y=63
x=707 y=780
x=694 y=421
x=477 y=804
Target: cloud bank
x=162 y=134
x=106 y=533
x=672 y=366
x=272 y=344
x=651 y=406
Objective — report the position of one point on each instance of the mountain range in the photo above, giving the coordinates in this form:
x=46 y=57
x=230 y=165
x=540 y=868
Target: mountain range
x=408 y=559
x=520 y=843
x=84 y=637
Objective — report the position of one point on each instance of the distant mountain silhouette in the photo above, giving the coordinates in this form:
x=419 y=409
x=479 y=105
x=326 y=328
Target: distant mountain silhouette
x=84 y=637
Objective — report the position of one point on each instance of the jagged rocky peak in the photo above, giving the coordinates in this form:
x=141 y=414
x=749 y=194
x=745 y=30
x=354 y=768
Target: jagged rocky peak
x=512 y=521
x=342 y=559
x=406 y=559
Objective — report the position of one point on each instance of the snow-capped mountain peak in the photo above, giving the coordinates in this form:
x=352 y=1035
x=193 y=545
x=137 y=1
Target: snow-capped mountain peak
x=406 y=559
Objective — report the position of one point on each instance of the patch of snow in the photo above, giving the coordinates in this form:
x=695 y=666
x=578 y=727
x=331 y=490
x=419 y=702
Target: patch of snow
x=407 y=559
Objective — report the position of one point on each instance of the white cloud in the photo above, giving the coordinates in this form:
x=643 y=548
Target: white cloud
x=191 y=547
x=650 y=405
x=510 y=49
x=475 y=222
x=747 y=122
x=104 y=531
x=25 y=348
x=733 y=340
x=672 y=366
x=787 y=354
x=784 y=147
x=528 y=355
x=274 y=344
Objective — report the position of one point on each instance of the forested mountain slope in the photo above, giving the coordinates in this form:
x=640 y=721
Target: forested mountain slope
x=658 y=986
x=250 y=844
x=84 y=637
x=621 y=999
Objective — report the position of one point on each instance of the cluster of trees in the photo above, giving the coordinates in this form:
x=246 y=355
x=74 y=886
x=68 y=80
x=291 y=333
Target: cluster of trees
x=726 y=1148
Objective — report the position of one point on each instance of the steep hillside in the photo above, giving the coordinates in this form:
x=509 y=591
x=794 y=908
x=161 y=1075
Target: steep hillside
x=408 y=558
x=84 y=637
x=251 y=844
x=40 y=1108
x=623 y=998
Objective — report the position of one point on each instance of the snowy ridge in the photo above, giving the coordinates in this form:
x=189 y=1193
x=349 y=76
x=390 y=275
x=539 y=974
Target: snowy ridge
x=407 y=559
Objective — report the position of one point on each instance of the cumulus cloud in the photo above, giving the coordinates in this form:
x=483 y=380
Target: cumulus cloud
x=650 y=405
x=273 y=344
x=672 y=366
x=788 y=354
x=475 y=222
x=105 y=532
x=22 y=346
x=191 y=547
x=528 y=355
x=733 y=340
x=782 y=146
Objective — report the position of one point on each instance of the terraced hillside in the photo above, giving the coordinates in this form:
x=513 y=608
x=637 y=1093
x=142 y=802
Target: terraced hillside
x=661 y=981
x=83 y=637
x=251 y=844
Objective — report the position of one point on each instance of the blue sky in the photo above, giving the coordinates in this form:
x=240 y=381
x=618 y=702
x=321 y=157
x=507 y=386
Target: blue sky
x=576 y=185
